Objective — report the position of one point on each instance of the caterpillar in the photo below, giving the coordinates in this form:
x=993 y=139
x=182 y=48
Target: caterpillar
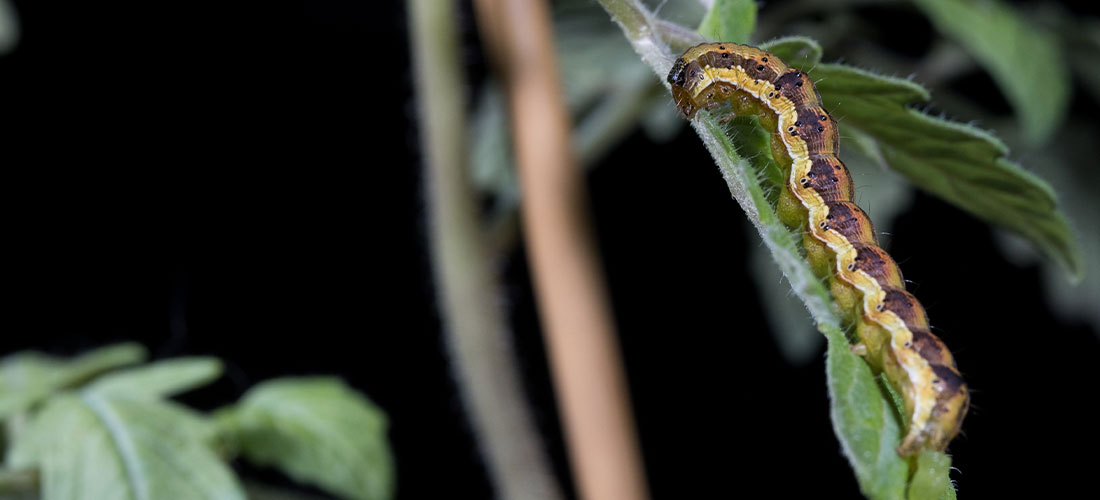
x=891 y=326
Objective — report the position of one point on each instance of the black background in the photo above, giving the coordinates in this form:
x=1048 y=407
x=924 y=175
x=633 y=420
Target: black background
x=208 y=180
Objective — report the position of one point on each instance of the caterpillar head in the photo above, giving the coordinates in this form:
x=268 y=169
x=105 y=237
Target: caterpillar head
x=683 y=77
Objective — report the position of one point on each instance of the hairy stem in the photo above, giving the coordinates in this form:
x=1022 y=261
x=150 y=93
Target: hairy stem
x=478 y=337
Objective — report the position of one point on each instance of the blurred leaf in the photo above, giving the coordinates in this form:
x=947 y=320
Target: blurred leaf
x=93 y=446
x=662 y=121
x=9 y=27
x=1076 y=188
x=593 y=57
x=160 y=379
x=793 y=329
x=29 y=377
x=1081 y=37
x=958 y=163
x=318 y=431
x=864 y=421
x=1023 y=59
x=797 y=51
x=729 y=21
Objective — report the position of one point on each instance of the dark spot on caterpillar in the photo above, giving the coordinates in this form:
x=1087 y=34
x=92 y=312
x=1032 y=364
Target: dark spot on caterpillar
x=765 y=60
x=820 y=138
x=823 y=117
x=851 y=267
x=851 y=222
x=952 y=382
x=929 y=347
x=880 y=308
x=725 y=55
x=906 y=307
x=771 y=94
x=759 y=67
x=830 y=216
x=794 y=133
x=823 y=173
x=710 y=94
x=877 y=264
x=908 y=344
x=790 y=129
x=798 y=84
x=798 y=124
x=721 y=47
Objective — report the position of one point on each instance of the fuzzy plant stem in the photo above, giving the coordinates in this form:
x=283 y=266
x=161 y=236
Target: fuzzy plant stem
x=573 y=305
x=478 y=339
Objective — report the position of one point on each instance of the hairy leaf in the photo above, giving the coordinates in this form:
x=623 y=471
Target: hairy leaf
x=27 y=378
x=930 y=480
x=160 y=379
x=864 y=421
x=961 y=164
x=318 y=431
x=93 y=446
x=1023 y=59
x=798 y=51
x=863 y=418
x=729 y=21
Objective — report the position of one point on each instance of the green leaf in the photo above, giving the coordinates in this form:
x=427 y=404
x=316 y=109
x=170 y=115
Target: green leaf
x=862 y=416
x=9 y=27
x=950 y=493
x=161 y=379
x=1081 y=38
x=961 y=164
x=93 y=446
x=318 y=431
x=27 y=378
x=792 y=329
x=754 y=144
x=798 y=51
x=930 y=481
x=1023 y=59
x=864 y=421
x=729 y=21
